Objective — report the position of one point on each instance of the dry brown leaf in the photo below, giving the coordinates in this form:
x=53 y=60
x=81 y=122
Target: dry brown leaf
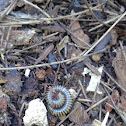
x=21 y=37
x=80 y=116
x=109 y=104
x=119 y=65
x=41 y=74
x=123 y=103
x=78 y=32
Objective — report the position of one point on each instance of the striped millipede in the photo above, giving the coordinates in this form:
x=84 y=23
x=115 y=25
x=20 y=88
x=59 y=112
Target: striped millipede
x=59 y=101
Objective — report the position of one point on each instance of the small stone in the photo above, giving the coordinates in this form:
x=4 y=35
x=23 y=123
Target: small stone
x=36 y=114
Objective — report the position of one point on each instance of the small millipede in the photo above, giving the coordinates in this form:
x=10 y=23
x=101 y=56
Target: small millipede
x=59 y=101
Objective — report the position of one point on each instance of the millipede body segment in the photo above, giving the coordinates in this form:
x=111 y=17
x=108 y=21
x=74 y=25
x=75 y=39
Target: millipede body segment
x=59 y=101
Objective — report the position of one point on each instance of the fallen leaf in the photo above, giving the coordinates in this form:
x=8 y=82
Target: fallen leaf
x=52 y=59
x=54 y=12
x=123 y=103
x=80 y=116
x=21 y=37
x=119 y=65
x=78 y=32
x=41 y=74
x=115 y=97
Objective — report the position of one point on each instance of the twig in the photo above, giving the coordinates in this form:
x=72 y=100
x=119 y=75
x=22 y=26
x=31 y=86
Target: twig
x=48 y=64
x=8 y=10
x=58 y=18
x=45 y=19
x=93 y=46
x=35 y=6
x=103 y=83
x=93 y=99
x=73 y=34
x=100 y=112
x=106 y=22
x=109 y=123
x=101 y=22
x=116 y=108
x=84 y=100
x=117 y=84
x=82 y=88
x=93 y=106
x=22 y=23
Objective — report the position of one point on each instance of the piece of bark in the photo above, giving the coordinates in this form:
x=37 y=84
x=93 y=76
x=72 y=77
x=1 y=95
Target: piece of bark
x=119 y=65
x=44 y=54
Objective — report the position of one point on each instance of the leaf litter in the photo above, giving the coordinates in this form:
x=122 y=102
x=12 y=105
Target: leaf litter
x=48 y=43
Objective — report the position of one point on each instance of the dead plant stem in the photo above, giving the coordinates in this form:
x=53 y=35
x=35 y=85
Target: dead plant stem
x=95 y=105
x=99 y=40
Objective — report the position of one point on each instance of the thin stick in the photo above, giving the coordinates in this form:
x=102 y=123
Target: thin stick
x=48 y=19
x=82 y=88
x=8 y=10
x=105 y=33
x=69 y=31
x=117 y=84
x=93 y=106
x=84 y=100
x=106 y=22
x=93 y=99
x=101 y=22
x=116 y=108
x=48 y=64
x=35 y=6
x=103 y=83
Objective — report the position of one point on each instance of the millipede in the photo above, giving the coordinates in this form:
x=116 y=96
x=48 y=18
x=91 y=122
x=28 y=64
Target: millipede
x=59 y=101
